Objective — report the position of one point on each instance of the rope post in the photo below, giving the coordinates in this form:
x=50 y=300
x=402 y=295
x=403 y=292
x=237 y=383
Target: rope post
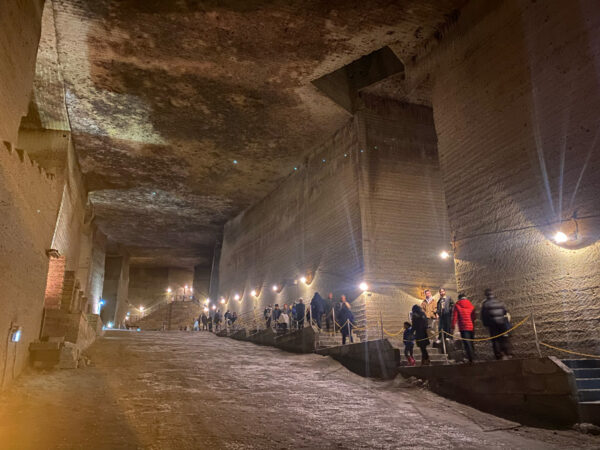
x=381 y=324
x=443 y=336
x=333 y=317
x=537 y=342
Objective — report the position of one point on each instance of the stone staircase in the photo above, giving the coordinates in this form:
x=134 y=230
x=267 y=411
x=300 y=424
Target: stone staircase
x=170 y=316
x=587 y=378
x=329 y=339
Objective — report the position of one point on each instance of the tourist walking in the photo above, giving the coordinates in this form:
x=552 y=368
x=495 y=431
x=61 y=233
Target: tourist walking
x=495 y=317
x=284 y=319
x=409 y=343
x=317 y=306
x=444 y=314
x=420 y=325
x=267 y=315
x=275 y=314
x=300 y=311
x=346 y=321
x=329 y=311
x=429 y=307
x=464 y=314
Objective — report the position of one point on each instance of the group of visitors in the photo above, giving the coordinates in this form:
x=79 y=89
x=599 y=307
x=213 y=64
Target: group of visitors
x=337 y=314
x=214 y=320
x=447 y=315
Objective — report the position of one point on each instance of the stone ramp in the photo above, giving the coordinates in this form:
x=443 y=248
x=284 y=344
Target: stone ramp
x=375 y=358
x=170 y=316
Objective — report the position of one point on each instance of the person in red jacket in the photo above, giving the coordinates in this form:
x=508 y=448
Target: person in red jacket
x=464 y=314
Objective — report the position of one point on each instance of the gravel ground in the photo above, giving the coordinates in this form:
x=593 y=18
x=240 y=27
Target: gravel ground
x=179 y=390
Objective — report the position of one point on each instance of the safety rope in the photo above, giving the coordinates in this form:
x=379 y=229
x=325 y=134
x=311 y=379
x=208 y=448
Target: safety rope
x=570 y=351
x=353 y=326
x=491 y=337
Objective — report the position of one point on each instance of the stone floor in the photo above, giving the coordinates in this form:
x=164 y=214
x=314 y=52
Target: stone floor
x=179 y=390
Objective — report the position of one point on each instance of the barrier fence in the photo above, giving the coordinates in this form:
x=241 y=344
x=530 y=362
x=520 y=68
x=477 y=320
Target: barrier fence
x=254 y=321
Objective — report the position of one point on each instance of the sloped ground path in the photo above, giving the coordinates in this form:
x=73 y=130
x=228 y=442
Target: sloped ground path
x=183 y=390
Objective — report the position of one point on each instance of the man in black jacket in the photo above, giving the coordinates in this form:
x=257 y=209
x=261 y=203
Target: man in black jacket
x=494 y=317
x=445 y=306
x=300 y=311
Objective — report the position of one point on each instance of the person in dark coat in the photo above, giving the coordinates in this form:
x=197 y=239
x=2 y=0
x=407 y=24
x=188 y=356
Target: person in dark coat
x=210 y=323
x=204 y=320
x=317 y=307
x=346 y=320
x=464 y=315
x=267 y=315
x=275 y=314
x=409 y=343
x=335 y=312
x=494 y=317
x=420 y=324
x=300 y=311
x=445 y=305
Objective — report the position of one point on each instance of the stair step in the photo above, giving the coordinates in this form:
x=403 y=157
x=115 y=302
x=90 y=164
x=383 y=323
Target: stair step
x=587 y=373
x=589 y=395
x=588 y=383
x=582 y=363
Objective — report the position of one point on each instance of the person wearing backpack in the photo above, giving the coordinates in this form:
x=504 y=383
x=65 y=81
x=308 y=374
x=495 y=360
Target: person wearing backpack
x=495 y=317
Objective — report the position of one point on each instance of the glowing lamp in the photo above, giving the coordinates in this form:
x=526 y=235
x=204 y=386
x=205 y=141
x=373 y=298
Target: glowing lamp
x=236 y=296
x=222 y=302
x=303 y=279
x=126 y=317
x=168 y=290
x=214 y=307
x=109 y=325
x=275 y=288
x=207 y=301
x=253 y=293
x=186 y=286
x=205 y=309
x=363 y=286
x=142 y=308
x=560 y=237
x=444 y=255
x=15 y=334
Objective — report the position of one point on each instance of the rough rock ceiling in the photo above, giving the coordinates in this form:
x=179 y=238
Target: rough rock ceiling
x=164 y=95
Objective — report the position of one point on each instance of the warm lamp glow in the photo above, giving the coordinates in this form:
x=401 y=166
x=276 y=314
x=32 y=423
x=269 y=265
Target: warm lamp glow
x=222 y=302
x=275 y=287
x=236 y=296
x=253 y=293
x=141 y=308
x=214 y=307
x=444 y=255
x=363 y=286
x=303 y=279
x=560 y=237
x=168 y=290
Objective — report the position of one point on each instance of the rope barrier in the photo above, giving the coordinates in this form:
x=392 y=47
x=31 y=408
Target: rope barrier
x=492 y=337
x=569 y=351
